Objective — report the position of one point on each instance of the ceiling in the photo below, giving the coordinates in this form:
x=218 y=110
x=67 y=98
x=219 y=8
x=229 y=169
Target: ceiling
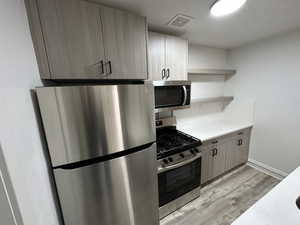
x=258 y=19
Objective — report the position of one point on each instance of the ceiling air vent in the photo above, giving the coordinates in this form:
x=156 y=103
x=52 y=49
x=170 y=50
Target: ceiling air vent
x=179 y=20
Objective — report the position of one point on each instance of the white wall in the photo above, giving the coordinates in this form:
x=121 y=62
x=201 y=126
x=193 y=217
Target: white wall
x=268 y=74
x=202 y=87
x=208 y=57
x=205 y=86
x=19 y=134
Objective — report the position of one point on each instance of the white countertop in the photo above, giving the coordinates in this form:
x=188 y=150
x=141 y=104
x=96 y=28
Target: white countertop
x=208 y=131
x=278 y=207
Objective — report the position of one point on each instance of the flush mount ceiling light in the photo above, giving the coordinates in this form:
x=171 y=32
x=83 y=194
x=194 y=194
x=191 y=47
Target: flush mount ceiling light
x=225 y=7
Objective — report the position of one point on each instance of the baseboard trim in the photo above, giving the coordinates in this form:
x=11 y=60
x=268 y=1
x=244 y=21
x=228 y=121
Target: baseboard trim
x=267 y=169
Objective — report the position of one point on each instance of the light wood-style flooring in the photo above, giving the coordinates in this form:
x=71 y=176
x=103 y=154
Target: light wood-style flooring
x=222 y=201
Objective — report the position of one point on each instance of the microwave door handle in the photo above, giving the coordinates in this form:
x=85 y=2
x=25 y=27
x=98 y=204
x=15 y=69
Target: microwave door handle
x=185 y=95
x=167 y=168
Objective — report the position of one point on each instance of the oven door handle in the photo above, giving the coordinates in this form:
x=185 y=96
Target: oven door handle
x=185 y=95
x=167 y=168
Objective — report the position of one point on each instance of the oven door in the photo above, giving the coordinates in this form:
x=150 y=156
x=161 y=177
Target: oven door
x=178 y=180
x=172 y=95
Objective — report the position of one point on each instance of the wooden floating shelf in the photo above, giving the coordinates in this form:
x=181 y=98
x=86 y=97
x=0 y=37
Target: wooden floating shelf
x=211 y=72
x=213 y=99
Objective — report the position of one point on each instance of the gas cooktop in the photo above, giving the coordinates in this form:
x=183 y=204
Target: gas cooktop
x=171 y=141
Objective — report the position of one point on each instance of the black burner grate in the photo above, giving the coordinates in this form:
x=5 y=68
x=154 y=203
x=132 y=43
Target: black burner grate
x=171 y=141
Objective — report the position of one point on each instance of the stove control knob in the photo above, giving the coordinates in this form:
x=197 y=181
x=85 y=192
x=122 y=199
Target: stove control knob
x=196 y=150
x=170 y=159
x=192 y=151
x=181 y=155
x=166 y=161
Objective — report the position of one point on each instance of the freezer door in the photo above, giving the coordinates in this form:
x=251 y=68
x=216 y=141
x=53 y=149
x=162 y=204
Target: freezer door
x=83 y=122
x=121 y=191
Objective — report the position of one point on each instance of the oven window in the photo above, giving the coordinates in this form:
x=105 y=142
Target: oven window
x=166 y=96
x=177 y=182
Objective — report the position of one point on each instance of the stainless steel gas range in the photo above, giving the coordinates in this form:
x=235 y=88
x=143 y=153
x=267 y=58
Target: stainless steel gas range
x=179 y=169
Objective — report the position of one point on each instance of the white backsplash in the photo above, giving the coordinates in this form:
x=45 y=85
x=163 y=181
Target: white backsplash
x=207 y=86
x=212 y=86
x=209 y=113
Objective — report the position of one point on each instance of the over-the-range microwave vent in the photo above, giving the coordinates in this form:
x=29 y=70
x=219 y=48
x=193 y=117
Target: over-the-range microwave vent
x=179 y=20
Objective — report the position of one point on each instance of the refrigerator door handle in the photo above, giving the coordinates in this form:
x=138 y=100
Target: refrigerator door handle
x=92 y=161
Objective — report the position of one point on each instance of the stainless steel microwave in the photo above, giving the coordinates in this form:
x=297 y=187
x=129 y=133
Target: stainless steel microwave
x=172 y=95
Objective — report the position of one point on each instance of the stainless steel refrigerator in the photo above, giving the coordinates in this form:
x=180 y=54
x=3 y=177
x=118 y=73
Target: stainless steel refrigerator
x=101 y=141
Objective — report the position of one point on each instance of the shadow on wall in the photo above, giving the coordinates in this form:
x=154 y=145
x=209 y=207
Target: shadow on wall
x=201 y=110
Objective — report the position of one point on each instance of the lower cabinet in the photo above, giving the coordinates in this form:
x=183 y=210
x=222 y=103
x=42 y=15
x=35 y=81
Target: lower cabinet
x=242 y=148
x=238 y=150
x=206 y=164
x=219 y=159
x=223 y=154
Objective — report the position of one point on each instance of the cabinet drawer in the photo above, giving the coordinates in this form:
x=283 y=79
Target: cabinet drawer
x=244 y=132
x=219 y=140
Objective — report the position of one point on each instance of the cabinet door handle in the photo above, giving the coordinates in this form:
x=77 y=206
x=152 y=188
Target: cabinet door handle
x=214 y=152
x=215 y=142
x=102 y=67
x=168 y=73
x=240 y=142
x=163 y=73
x=110 y=69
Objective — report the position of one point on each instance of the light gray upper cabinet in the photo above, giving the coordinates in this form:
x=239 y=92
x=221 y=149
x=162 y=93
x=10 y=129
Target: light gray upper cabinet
x=176 y=58
x=76 y=39
x=157 y=56
x=168 y=57
x=125 y=44
x=73 y=38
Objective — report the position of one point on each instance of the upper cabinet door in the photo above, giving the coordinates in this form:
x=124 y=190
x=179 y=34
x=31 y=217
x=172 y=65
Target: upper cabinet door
x=176 y=58
x=73 y=39
x=125 y=44
x=157 y=55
